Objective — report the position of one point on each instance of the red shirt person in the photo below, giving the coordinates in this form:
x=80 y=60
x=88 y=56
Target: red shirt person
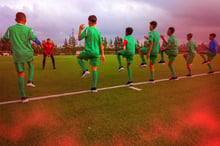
x=48 y=48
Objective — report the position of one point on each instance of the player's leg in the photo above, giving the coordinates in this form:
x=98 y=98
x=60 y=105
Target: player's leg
x=210 y=68
x=80 y=57
x=185 y=56
x=118 y=54
x=189 y=59
x=94 y=62
x=20 y=68
x=151 y=72
x=202 y=54
x=44 y=60
x=53 y=61
x=171 y=59
x=210 y=58
x=189 y=69
x=162 y=61
x=142 y=52
x=30 y=74
x=129 y=61
x=94 y=79
x=21 y=83
x=129 y=74
x=153 y=60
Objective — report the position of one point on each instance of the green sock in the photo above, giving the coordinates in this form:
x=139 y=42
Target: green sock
x=172 y=70
x=162 y=55
x=143 y=59
x=210 y=67
x=21 y=86
x=119 y=59
x=152 y=75
x=190 y=72
x=31 y=71
x=94 y=78
x=203 y=57
x=81 y=63
x=129 y=72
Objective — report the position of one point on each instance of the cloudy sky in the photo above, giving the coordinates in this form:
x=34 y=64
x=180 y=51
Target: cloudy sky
x=56 y=19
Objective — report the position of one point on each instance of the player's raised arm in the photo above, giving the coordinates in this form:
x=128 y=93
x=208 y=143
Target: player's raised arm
x=162 y=37
x=81 y=27
x=124 y=44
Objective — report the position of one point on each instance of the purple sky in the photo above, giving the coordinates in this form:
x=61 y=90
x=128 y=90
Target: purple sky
x=56 y=19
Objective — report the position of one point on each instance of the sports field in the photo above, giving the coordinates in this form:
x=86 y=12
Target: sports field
x=179 y=113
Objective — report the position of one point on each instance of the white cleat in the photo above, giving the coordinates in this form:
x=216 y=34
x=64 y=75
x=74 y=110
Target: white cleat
x=30 y=84
x=85 y=73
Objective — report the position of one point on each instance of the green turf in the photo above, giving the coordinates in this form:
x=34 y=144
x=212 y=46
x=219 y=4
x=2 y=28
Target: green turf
x=183 y=112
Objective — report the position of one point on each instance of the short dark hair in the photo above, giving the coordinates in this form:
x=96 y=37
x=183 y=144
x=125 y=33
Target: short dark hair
x=190 y=35
x=212 y=34
x=172 y=29
x=92 y=18
x=48 y=39
x=129 y=30
x=20 y=16
x=153 y=23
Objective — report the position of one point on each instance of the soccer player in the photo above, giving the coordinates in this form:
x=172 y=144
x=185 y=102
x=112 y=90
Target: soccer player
x=48 y=48
x=20 y=36
x=171 y=50
x=210 y=51
x=191 y=53
x=128 y=52
x=93 y=41
x=162 y=61
x=153 y=49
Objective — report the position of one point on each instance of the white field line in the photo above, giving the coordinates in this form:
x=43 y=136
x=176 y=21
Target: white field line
x=106 y=88
x=134 y=88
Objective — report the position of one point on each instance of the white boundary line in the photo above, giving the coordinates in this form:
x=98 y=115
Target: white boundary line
x=134 y=88
x=106 y=88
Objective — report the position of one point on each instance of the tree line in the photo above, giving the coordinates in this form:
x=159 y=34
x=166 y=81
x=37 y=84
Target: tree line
x=71 y=46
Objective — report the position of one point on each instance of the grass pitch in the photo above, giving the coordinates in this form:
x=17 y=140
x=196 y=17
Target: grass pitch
x=183 y=112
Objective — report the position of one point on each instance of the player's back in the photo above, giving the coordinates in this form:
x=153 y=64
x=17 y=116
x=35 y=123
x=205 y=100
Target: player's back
x=93 y=40
x=191 y=47
x=155 y=38
x=213 y=46
x=131 y=44
x=19 y=36
x=173 y=44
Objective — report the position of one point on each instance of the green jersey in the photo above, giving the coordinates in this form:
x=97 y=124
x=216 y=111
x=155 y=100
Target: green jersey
x=20 y=36
x=131 y=45
x=153 y=36
x=93 y=39
x=191 y=47
x=173 y=44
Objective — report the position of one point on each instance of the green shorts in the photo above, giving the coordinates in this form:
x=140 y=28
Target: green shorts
x=210 y=55
x=21 y=67
x=190 y=58
x=129 y=57
x=93 y=60
x=171 y=56
x=153 y=58
x=144 y=51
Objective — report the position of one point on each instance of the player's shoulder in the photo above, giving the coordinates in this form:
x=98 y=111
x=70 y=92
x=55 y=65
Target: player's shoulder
x=129 y=38
x=173 y=37
x=13 y=27
x=94 y=30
